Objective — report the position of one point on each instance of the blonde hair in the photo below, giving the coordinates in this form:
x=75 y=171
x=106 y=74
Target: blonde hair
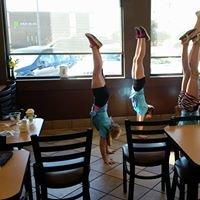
x=115 y=130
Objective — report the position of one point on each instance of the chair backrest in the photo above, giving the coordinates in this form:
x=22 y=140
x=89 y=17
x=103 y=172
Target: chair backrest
x=13 y=93
x=190 y=119
x=6 y=103
x=141 y=133
x=52 y=152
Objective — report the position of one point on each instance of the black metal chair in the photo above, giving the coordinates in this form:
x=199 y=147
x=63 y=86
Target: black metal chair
x=13 y=94
x=8 y=102
x=5 y=102
x=185 y=171
x=148 y=147
x=62 y=161
x=3 y=146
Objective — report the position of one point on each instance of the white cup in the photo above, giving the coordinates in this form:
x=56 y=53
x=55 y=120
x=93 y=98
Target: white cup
x=63 y=71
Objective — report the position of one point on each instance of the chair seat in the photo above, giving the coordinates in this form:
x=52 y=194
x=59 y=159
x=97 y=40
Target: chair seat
x=146 y=158
x=63 y=178
x=186 y=170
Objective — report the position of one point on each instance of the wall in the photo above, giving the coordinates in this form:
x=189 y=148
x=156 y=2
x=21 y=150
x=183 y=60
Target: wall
x=55 y=100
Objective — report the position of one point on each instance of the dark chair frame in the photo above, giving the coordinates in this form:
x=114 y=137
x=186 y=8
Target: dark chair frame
x=5 y=102
x=8 y=101
x=190 y=174
x=83 y=162
x=150 y=144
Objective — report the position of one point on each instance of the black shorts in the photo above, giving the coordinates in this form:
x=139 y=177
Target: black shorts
x=101 y=96
x=138 y=84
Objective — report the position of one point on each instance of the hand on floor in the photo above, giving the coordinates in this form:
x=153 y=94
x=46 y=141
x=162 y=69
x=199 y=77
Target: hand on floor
x=109 y=161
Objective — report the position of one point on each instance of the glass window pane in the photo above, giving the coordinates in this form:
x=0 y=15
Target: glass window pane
x=169 y=20
x=44 y=65
x=59 y=27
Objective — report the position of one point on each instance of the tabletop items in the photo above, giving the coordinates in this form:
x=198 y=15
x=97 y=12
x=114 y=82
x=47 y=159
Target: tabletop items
x=16 y=163
x=30 y=114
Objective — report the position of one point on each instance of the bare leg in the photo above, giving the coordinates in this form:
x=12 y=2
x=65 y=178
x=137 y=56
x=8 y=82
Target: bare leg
x=192 y=86
x=137 y=67
x=186 y=67
x=97 y=77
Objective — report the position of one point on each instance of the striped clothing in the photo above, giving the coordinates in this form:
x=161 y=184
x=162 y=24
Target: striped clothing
x=188 y=102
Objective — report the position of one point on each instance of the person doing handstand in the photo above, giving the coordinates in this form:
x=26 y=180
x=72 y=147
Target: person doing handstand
x=106 y=127
x=137 y=96
x=188 y=100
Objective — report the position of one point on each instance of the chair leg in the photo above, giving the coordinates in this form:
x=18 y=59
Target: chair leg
x=163 y=179
x=182 y=190
x=124 y=175
x=131 y=184
x=44 y=192
x=37 y=187
x=86 y=190
x=192 y=191
x=174 y=184
x=167 y=182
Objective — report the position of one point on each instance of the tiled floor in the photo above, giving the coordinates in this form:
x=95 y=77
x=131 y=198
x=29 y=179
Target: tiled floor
x=106 y=181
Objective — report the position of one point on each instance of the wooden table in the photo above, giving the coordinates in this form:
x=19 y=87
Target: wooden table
x=187 y=139
x=13 y=174
x=20 y=139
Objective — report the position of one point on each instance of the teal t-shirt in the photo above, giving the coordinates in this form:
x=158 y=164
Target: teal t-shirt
x=139 y=102
x=101 y=121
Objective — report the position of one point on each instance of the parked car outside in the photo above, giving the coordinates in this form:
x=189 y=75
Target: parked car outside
x=39 y=59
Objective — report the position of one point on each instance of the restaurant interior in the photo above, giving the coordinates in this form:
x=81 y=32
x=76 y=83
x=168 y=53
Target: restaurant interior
x=50 y=147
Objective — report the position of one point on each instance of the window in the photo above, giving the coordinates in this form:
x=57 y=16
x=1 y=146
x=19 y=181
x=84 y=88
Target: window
x=47 y=34
x=169 y=20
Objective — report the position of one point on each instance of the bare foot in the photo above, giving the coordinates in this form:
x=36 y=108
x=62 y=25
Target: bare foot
x=186 y=37
x=197 y=25
x=94 y=42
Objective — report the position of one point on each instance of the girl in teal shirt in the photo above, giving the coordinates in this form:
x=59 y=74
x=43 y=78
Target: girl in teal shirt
x=99 y=115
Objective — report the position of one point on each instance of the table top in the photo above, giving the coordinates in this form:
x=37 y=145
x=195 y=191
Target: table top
x=12 y=174
x=187 y=137
x=21 y=138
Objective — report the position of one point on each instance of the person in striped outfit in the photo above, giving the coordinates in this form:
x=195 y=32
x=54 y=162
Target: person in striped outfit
x=188 y=100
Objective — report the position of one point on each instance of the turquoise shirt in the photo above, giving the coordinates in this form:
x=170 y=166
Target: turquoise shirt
x=101 y=121
x=139 y=102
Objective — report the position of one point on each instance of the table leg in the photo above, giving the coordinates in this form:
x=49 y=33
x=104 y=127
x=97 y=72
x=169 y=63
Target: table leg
x=28 y=183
